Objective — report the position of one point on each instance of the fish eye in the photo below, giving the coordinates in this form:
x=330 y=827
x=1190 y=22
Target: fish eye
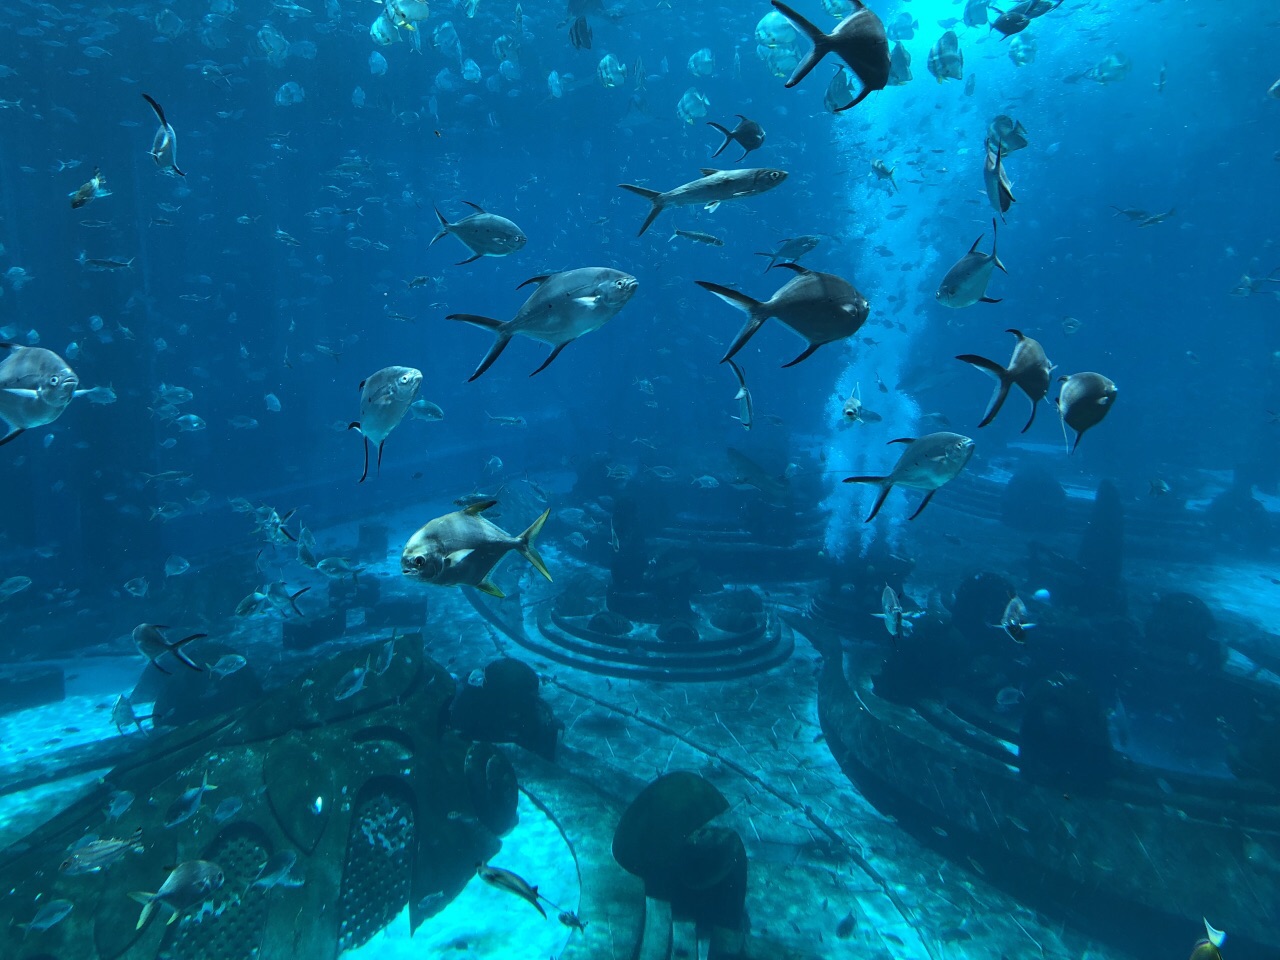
x=419 y=562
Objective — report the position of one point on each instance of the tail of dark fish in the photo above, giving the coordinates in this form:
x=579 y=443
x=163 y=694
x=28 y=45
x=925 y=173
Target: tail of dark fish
x=654 y=197
x=1004 y=380
x=444 y=227
x=755 y=310
x=821 y=43
x=885 y=486
x=527 y=549
x=148 y=901
x=728 y=138
x=177 y=651
x=501 y=338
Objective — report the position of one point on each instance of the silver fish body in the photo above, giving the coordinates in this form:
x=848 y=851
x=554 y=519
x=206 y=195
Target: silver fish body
x=462 y=548
x=36 y=385
x=385 y=398
x=709 y=190
x=928 y=463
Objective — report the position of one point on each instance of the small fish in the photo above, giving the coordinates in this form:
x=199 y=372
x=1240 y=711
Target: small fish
x=95 y=188
x=13 y=586
x=98 y=855
x=277 y=871
x=1028 y=368
x=512 y=883
x=227 y=664
x=227 y=809
x=175 y=566
x=164 y=145
x=745 y=409
x=188 y=803
x=892 y=615
x=748 y=134
x=49 y=915
x=927 y=464
x=697 y=237
x=385 y=398
x=352 y=682
x=1084 y=400
x=506 y=421
x=484 y=234
x=966 y=282
x=1014 y=620
x=119 y=804
x=571 y=920
x=189 y=883
x=709 y=191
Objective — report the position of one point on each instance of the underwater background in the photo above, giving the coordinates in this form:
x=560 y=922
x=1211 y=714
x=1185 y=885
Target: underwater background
x=738 y=717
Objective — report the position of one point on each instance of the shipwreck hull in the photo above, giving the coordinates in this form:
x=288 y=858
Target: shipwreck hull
x=1137 y=865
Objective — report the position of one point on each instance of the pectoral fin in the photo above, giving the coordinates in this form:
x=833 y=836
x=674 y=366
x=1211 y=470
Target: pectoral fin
x=711 y=207
x=491 y=588
x=455 y=558
x=590 y=301
x=22 y=392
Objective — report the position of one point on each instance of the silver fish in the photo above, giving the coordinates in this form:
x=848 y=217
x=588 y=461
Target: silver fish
x=820 y=307
x=484 y=234
x=1028 y=368
x=710 y=190
x=98 y=855
x=385 y=398
x=564 y=307
x=1014 y=620
x=996 y=179
x=966 y=282
x=791 y=249
x=946 y=61
x=927 y=464
x=891 y=613
x=462 y=548
x=188 y=884
x=512 y=883
x=49 y=915
x=36 y=385
x=164 y=145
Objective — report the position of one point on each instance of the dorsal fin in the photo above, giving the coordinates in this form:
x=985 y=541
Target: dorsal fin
x=903 y=440
x=539 y=280
x=709 y=171
x=475 y=509
x=474 y=206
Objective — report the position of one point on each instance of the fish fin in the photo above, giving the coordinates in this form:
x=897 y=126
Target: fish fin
x=293 y=600
x=803 y=356
x=22 y=392
x=989 y=299
x=444 y=227
x=792 y=266
x=479 y=507
x=148 y=901
x=382 y=444
x=1031 y=419
x=161 y=669
x=12 y=435
x=1004 y=382
x=538 y=280
x=1216 y=937
x=997 y=262
x=491 y=588
x=853 y=103
x=728 y=138
x=501 y=338
x=590 y=301
x=457 y=556
x=555 y=352
x=821 y=42
x=157 y=108
x=709 y=171
x=470 y=259
x=654 y=197
x=181 y=654
x=529 y=552
x=901 y=440
x=885 y=487
x=474 y=206
x=364 y=475
x=712 y=207
x=923 y=503
x=742 y=379
x=975 y=243
x=753 y=308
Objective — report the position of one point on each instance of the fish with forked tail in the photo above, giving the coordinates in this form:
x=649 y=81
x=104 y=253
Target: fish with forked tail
x=859 y=40
x=1028 y=368
x=484 y=234
x=748 y=134
x=385 y=398
x=462 y=548
x=927 y=464
x=1084 y=400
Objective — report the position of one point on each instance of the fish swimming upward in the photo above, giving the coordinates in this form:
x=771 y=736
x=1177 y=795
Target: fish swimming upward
x=384 y=400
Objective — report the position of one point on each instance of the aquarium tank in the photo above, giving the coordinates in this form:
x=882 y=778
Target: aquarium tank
x=642 y=479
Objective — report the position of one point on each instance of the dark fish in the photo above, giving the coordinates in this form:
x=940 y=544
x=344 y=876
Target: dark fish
x=966 y=282
x=1028 y=368
x=999 y=189
x=512 y=883
x=791 y=249
x=859 y=40
x=484 y=234
x=152 y=645
x=187 y=885
x=748 y=134
x=1084 y=400
x=580 y=34
x=899 y=66
x=927 y=464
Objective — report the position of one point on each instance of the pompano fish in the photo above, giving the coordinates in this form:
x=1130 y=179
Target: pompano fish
x=484 y=234
x=152 y=645
x=564 y=307
x=425 y=410
x=1028 y=368
x=512 y=883
x=854 y=411
x=743 y=396
x=188 y=884
x=966 y=282
x=98 y=855
x=1014 y=620
x=385 y=398
x=791 y=249
x=748 y=134
x=996 y=179
x=462 y=548
x=927 y=464
x=711 y=189
x=164 y=145
x=946 y=61
x=1084 y=400
x=820 y=307
x=49 y=916
x=859 y=40
x=891 y=613
x=35 y=387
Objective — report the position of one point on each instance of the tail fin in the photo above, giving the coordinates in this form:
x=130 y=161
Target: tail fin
x=444 y=227
x=653 y=196
x=821 y=43
x=501 y=338
x=773 y=258
x=755 y=310
x=526 y=547
x=181 y=654
x=728 y=138
x=885 y=487
x=1003 y=382
x=148 y=901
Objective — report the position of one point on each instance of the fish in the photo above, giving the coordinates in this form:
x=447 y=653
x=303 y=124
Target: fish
x=512 y=883
x=710 y=190
x=50 y=915
x=164 y=145
x=1028 y=368
x=123 y=715
x=277 y=871
x=1007 y=134
x=336 y=568
x=384 y=400
x=1210 y=948
x=748 y=134
x=1274 y=91
x=227 y=809
x=859 y=40
x=188 y=884
x=946 y=60
x=36 y=385
x=976 y=13
x=1083 y=401
x=747 y=473
x=188 y=803
x=119 y=804
x=927 y=464
x=996 y=180
x=484 y=234
x=891 y=613
x=791 y=249
x=352 y=682
x=98 y=855
x=580 y=34
x=966 y=282
x=1013 y=20
x=820 y=307
x=697 y=237
x=12 y=586
x=743 y=396
x=425 y=410
x=152 y=645
x=571 y=920
x=854 y=411
x=839 y=90
x=507 y=421
x=95 y=188
x=882 y=171
x=1014 y=620
x=564 y=306
x=462 y=548
x=899 y=65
